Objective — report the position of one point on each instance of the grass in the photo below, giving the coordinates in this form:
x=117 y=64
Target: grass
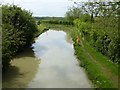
x=58 y=27
x=94 y=72
x=102 y=59
x=41 y=29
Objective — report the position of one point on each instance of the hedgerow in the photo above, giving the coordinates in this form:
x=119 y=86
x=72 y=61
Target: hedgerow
x=18 y=31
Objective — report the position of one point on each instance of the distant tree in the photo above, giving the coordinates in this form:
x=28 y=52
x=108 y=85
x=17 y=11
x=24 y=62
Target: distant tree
x=73 y=13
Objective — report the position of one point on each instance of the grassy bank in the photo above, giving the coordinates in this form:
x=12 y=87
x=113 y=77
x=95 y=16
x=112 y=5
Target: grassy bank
x=102 y=74
x=66 y=28
x=41 y=29
x=101 y=71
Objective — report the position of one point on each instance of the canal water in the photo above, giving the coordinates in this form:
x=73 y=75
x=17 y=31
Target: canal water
x=58 y=67
x=49 y=64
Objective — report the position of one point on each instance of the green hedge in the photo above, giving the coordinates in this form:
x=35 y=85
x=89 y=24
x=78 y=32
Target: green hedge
x=55 y=21
x=102 y=34
x=18 y=30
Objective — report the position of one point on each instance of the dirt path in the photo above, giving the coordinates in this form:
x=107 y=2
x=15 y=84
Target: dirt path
x=105 y=70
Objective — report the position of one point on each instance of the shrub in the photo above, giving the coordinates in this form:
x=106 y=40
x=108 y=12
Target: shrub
x=18 y=30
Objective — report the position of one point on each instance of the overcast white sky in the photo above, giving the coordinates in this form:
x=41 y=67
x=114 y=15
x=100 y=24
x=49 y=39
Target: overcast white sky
x=43 y=7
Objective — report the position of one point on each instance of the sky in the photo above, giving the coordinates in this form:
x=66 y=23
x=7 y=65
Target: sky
x=43 y=7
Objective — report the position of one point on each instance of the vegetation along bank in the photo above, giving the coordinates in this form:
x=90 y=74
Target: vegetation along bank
x=18 y=32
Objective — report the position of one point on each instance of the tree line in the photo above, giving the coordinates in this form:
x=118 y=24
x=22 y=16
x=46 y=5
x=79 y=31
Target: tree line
x=43 y=18
x=55 y=21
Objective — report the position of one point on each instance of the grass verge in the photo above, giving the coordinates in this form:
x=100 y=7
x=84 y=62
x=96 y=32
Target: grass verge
x=94 y=71
x=102 y=59
x=41 y=29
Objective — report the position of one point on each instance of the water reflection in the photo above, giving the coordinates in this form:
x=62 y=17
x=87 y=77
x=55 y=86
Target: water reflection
x=58 y=67
x=68 y=38
x=23 y=68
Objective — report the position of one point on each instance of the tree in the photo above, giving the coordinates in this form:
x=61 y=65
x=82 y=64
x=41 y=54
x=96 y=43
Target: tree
x=73 y=13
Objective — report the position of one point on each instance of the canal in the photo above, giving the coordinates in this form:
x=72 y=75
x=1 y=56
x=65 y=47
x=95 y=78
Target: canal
x=50 y=64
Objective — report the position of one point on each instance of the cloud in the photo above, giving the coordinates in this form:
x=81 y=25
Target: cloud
x=28 y=1
x=43 y=7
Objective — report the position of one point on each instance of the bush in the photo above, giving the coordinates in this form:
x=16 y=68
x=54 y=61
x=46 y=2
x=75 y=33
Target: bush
x=18 y=30
x=102 y=35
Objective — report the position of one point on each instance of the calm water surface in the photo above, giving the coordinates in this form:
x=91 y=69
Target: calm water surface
x=58 y=67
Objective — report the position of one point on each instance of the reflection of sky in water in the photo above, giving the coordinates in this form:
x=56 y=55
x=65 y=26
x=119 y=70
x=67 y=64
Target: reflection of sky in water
x=55 y=39
x=58 y=67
